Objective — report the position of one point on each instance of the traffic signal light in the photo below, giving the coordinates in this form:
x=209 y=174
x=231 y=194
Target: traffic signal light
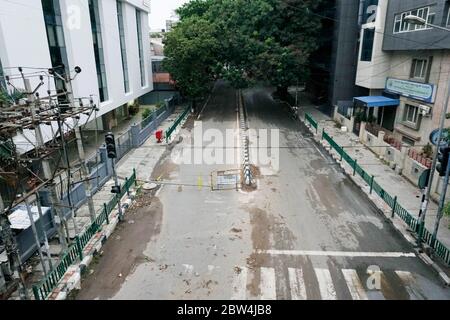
x=443 y=157
x=115 y=189
x=110 y=145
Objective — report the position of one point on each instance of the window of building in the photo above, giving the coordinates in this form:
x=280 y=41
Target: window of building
x=448 y=16
x=408 y=141
x=98 y=49
x=140 y=46
x=2 y=78
x=367 y=45
x=400 y=25
x=420 y=69
x=411 y=116
x=123 y=48
x=56 y=42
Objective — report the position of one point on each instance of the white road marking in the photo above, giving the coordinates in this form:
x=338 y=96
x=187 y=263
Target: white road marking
x=188 y=268
x=338 y=253
x=267 y=285
x=354 y=284
x=326 y=286
x=240 y=284
x=297 y=284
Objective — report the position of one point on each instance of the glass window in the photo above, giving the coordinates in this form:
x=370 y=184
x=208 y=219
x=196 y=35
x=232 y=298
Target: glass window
x=400 y=25
x=420 y=69
x=123 y=49
x=367 y=45
x=408 y=141
x=448 y=17
x=56 y=43
x=411 y=115
x=140 y=47
x=98 y=52
x=2 y=79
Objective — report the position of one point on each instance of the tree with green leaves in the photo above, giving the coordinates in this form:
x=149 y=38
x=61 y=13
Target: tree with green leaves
x=191 y=52
x=267 y=41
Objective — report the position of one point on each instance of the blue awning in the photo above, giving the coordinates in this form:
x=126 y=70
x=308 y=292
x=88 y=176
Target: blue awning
x=377 y=101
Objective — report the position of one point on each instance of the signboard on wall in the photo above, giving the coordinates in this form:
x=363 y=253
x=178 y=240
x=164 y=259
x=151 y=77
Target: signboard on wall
x=420 y=91
x=370 y=11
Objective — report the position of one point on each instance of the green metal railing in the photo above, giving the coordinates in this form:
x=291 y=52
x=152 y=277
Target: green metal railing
x=75 y=251
x=442 y=251
x=311 y=120
x=177 y=122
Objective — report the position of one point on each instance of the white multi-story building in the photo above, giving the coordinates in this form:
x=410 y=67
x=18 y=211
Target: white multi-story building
x=107 y=39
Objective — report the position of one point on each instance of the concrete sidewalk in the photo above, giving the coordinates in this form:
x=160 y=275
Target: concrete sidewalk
x=408 y=195
x=143 y=159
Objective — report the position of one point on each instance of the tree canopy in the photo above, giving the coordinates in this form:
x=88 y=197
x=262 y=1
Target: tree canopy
x=243 y=41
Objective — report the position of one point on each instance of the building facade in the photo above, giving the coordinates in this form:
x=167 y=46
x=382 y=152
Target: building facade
x=409 y=63
x=107 y=39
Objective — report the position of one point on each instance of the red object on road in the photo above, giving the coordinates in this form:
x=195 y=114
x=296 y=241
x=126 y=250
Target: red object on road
x=159 y=135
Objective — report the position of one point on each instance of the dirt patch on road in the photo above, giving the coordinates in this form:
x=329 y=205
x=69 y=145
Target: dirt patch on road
x=124 y=249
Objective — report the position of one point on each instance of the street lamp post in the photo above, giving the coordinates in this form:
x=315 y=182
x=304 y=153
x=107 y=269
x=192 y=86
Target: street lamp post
x=420 y=21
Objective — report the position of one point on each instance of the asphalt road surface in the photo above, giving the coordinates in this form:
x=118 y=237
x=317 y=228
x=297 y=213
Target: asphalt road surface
x=306 y=233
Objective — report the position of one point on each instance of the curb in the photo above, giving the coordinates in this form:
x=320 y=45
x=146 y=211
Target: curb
x=395 y=223
x=72 y=279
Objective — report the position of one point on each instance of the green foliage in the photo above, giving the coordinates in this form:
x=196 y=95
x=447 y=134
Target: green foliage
x=160 y=104
x=146 y=113
x=9 y=98
x=427 y=150
x=446 y=209
x=191 y=51
x=242 y=41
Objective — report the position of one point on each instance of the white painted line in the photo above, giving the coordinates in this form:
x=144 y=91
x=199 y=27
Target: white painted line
x=267 y=285
x=338 y=253
x=297 y=284
x=326 y=286
x=354 y=284
x=188 y=268
x=240 y=284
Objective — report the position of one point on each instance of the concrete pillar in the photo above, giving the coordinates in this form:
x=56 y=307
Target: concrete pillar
x=134 y=131
x=380 y=142
x=404 y=155
x=335 y=114
x=362 y=130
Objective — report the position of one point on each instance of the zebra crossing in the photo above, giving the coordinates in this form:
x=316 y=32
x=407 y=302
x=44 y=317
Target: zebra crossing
x=328 y=284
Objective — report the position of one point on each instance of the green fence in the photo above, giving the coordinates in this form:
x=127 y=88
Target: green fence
x=75 y=251
x=176 y=124
x=311 y=121
x=391 y=201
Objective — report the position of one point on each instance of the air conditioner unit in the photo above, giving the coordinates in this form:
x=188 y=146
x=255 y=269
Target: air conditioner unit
x=424 y=110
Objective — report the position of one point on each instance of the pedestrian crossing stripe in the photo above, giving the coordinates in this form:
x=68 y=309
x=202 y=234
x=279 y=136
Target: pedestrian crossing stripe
x=297 y=283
